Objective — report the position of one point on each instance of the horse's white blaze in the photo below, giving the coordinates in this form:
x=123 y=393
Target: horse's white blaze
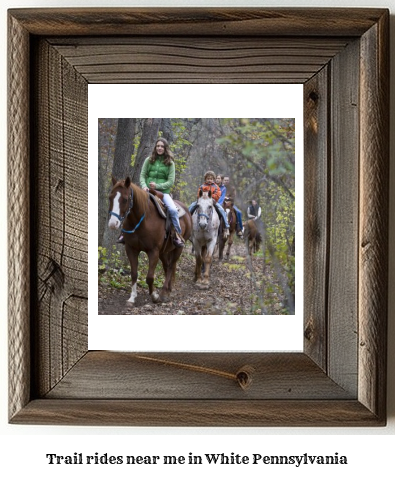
x=133 y=295
x=114 y=222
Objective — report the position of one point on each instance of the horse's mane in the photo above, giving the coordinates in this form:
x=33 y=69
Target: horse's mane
x=140 y=198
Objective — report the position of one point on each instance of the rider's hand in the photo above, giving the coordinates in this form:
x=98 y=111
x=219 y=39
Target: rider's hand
x=152 y=185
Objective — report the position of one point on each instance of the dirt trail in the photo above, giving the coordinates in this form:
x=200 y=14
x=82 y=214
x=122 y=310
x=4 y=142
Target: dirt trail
x=232 y=290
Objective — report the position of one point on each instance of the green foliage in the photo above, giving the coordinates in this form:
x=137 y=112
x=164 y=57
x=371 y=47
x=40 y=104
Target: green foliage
x=111 y=268
x=260 y=146
x=143 y=270
x=114 y=274
x=261 y=161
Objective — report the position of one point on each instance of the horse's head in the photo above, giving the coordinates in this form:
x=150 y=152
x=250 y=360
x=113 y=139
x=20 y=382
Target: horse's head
x=118 y=202
x=205 y=205
x=228 y=203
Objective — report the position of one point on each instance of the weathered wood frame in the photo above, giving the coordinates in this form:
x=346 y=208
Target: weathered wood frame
x=342 y=57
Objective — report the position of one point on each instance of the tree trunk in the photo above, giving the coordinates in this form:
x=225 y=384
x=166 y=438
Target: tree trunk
x=107 y=129
x=124 y=148
x=149 y=136
x=101 y=199
x=167 y=131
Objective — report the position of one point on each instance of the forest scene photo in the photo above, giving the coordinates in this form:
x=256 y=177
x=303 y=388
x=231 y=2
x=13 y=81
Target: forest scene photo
x=254 y=161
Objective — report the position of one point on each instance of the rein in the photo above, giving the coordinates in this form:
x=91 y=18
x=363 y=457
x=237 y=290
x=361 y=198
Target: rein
x=122 y=218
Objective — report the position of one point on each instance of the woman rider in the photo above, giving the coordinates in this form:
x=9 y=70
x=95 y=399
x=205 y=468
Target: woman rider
x=158 y=172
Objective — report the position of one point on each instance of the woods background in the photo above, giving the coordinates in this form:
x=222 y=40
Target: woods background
x=258 y=154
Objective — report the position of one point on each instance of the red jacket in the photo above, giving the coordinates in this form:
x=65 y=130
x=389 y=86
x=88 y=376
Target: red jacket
x=214 y=188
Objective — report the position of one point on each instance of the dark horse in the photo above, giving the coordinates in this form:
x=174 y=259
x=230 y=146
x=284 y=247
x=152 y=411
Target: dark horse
x=231 y=215
x=252 y=236
x=144 y=230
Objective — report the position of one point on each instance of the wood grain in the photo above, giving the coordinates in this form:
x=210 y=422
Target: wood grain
x=305 y=22
x=341 y=56
x=317 y=207
x=18 y=218
x=196 y=376
x=224 y=60
x=343 y=221
x=373 y=234
x=201 y=413
x=61 y=185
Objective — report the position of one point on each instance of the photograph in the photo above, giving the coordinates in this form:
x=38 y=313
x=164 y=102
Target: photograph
x=196 y=216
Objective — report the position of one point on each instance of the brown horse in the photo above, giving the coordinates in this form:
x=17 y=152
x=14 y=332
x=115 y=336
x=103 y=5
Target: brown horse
x=144 y=230
x=252 y=235
x=231 y=215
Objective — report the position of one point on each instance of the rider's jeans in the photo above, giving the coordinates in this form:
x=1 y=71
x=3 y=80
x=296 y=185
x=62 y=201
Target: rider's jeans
x=167 y=199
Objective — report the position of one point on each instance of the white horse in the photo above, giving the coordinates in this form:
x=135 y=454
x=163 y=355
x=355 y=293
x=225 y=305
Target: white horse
x=205 y=224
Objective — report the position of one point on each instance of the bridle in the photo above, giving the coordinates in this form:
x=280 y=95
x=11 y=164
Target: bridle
x=122 y=218
x=202 y=214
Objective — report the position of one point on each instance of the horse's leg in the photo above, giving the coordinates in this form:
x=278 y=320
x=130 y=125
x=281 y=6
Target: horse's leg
x=176 y=253
x=230 y=242
x=222 y=242
x=204 y=252
x=169 y=262
x=165 y=291
x=133 y=257
x=198 y=264
x=153 y=257
x=208 y=258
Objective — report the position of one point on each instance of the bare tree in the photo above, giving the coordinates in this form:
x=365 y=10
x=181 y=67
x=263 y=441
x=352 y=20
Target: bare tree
x=167 y=131
x=107 y=132
x=148 y=137
x=124 y=147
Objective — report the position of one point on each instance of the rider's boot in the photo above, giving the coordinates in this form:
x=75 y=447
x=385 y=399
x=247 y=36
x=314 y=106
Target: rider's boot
x=178 y=240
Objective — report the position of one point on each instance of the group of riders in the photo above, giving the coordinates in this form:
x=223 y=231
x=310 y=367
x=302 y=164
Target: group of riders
x=158 y=173
x=221 y=190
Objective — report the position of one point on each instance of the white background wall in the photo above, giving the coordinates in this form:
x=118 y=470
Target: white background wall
x=24 y=448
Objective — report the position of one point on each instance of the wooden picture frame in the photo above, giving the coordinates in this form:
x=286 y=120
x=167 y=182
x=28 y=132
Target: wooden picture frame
x=342 y=58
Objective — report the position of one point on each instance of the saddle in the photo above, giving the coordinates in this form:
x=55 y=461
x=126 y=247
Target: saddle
x=157 y=198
